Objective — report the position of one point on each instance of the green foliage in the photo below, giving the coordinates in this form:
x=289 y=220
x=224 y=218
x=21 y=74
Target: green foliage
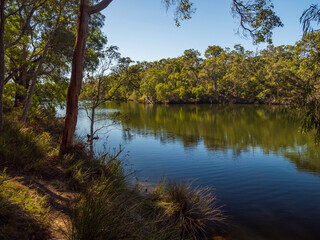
x=257 y=18
x=274 y=75
x=23 y=58
x=198 y=93
x=162 y=92
x=10 y=91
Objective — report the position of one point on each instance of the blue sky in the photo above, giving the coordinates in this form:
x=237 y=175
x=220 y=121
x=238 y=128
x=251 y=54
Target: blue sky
x=143 y=30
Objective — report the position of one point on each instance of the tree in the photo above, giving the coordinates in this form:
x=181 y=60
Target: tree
x=42 y=60
x=76 y=73
x=25 y=10
x=214 y=65
x=97 y=86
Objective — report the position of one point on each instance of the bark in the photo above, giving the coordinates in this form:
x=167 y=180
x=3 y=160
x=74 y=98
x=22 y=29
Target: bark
x=70 y=123
x=76 y=79
x=2 y=66
x=22 y=79
x=91 y=129
x=32 y=86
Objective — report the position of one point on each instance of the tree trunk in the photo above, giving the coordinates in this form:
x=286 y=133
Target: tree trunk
x=22 y=79
x=76 y=79
x=36 y=74
x=215 y=84
x=91 y=128
x=32 y=86
x=2 y=66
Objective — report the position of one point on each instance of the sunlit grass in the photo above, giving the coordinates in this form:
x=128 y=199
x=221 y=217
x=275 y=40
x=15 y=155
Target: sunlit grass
x=23 y=211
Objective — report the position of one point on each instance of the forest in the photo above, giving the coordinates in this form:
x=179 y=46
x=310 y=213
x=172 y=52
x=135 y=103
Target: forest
x=275 y=75
x=54 y=55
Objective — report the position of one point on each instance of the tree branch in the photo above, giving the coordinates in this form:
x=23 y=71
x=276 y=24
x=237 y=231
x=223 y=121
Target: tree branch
x=26 y=25
x=99 y=7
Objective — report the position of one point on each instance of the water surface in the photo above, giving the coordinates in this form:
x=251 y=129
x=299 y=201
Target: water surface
x=263 y=170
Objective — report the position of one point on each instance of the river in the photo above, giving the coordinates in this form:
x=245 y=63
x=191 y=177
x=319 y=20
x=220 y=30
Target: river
x=264 y=172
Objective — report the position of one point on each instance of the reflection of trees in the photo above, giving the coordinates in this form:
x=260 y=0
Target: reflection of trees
x=237 y=127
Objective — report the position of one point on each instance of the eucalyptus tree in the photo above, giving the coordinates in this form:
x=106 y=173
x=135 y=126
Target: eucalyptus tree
x=57 y=19
x=191 y=65
x=20 y=11
x=235 y=72
x=85 y=11
x=151 y=78
x=23 y=58
x=96 y=42
x=277 y=67
x=213 y=66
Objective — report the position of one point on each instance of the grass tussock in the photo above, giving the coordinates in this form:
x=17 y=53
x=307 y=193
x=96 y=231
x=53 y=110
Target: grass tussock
x=193 y=209
x=23 y=212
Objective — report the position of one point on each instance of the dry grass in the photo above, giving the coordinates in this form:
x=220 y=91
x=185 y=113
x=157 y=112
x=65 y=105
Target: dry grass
x=193 y=209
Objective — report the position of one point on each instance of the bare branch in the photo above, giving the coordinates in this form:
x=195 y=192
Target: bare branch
x=99 y=7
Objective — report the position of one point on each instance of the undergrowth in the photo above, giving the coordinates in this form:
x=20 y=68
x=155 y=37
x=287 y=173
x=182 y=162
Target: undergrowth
x=105 y=206
x=27 y=146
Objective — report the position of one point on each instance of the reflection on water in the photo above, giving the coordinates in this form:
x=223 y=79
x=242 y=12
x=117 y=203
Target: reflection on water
x=239 y=128
x=266 y=173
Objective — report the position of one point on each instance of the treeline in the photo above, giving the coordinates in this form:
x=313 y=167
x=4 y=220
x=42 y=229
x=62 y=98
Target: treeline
x=276 y=75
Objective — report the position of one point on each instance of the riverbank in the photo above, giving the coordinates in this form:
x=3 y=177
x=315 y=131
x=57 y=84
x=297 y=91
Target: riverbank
x=218 y=101
x=44 y=196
